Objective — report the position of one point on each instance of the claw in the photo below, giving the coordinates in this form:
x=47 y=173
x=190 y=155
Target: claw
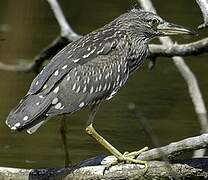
x=135 y=154
x=118 y=157
x=125 y=158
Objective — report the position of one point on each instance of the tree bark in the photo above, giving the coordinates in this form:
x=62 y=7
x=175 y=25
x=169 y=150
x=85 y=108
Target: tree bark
x=187 y=169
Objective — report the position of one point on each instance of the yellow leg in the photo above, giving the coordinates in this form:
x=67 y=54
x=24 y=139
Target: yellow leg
x=126 y=157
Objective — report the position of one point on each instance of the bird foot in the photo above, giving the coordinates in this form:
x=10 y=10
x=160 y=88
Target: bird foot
x=125 y=158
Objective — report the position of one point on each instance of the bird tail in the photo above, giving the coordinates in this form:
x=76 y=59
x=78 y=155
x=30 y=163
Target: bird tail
x=28 y=113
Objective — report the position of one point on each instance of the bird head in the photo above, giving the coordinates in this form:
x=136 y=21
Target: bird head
x=150 y=25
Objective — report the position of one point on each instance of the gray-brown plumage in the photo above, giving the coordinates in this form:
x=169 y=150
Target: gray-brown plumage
x=91 y=69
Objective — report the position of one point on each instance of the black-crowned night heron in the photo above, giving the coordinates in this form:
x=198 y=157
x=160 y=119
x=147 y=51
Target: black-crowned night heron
x=91 y=70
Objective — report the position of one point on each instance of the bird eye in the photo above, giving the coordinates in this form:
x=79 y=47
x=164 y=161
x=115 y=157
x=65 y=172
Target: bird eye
x=154 y=22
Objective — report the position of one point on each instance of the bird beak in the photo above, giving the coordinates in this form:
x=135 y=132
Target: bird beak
x=166 y=29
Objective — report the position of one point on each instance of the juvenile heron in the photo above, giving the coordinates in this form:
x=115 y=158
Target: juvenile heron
x=91 y=70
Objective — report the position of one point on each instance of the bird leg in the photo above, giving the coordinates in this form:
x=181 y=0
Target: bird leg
x=126 y=157
x=63 y=132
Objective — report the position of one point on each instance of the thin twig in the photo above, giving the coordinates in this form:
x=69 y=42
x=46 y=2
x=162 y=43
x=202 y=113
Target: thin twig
x=66 y=30
x=193 y=48
x=203 y=4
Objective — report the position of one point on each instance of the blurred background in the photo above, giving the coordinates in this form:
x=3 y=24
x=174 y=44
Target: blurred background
x=160 y=95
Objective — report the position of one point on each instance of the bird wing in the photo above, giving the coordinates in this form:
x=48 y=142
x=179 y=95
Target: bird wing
x=76 y=53
x=96 y=80
x=43 y=90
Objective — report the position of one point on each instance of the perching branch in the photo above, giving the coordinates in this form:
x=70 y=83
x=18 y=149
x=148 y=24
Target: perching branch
x=203 y=4
x=190 y=49
x=189 y=169
x=92 y=168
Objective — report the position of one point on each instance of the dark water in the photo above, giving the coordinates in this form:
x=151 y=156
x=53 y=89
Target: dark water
x=160 y=95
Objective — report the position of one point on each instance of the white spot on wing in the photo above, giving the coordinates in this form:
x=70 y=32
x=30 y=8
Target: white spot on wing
x=41 y=96
x=78 y=89
x=119 y=68
x=85 y=88
x=17 y=124
x=37 y=83
x=56 y=90
x=118 y=78
x=56 y=73
x=91 y=90
x=100 y=76
x=109 y=85
x=91 y=52
x=74 y=87
x=58 y=106
x=105 y=86
x=55 y=100
x=107 y=75
x=96 y=78
x=45 y=86
x=78 y=78
x=101 y=50
x=14 y=128
x=76 y=60
x=81 y=104
x=68 y=78
x=111 y=95
x=25 y=118
x=64 y=67
x=100 y=87
x=88 y=80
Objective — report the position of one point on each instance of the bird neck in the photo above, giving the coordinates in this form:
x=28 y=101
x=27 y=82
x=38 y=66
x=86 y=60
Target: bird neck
x=138 y=51
x=138 y=45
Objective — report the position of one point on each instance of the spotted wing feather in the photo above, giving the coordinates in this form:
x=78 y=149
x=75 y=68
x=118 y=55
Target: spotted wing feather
x=43 y=90
x=91 y=83
x=29 y=112
x=76 y=53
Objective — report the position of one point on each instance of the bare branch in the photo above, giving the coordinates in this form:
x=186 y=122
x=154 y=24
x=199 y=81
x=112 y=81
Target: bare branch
x=203 y=4
x=194 y=48
x=156 y=170
x=176 y=148
x=92 y=168
x=22 y=67
x=67 y=36
x=187 y=74
x=45 y=54
x=188 y=169
x=51 y=50
x=66 y=30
